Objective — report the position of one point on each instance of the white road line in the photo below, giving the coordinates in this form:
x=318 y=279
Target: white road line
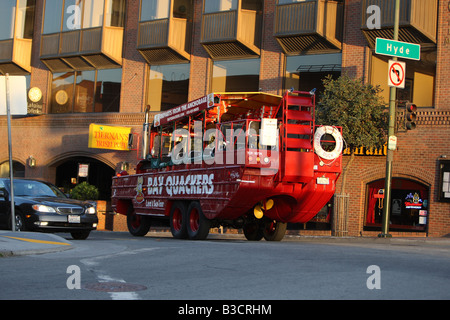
x=94 y=262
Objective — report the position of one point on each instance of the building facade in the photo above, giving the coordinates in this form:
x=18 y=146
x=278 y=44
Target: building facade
x=104 y=61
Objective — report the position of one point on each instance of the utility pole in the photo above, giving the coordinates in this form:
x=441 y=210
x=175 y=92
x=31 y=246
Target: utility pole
x=390 y=153
x=11 y=175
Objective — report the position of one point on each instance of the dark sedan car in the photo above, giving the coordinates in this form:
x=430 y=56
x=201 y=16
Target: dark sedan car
x=40 y=206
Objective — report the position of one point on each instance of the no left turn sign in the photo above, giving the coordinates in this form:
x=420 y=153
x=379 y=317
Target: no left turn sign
x=396 y=74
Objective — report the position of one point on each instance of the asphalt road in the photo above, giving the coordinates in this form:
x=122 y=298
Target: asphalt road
x=112 y=265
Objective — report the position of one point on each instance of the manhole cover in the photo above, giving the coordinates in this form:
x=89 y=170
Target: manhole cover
x=114 y=287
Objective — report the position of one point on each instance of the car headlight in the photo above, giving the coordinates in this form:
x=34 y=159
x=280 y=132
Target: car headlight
x=43 y=208
x=91 y=210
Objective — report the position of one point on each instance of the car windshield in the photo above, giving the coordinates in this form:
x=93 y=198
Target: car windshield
x=35 y=188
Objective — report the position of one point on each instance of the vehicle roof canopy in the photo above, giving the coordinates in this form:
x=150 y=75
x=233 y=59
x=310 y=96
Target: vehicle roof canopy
x=236 y=103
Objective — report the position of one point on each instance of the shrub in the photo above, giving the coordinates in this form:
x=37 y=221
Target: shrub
x=84 y=191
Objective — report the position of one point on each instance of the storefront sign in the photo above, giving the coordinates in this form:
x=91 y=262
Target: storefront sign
x=108 y=137
x=363 y=151
x=413 y=201
x=34 y=100
x=184 y=110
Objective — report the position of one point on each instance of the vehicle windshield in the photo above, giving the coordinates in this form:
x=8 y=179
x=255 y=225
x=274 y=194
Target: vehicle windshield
x=35 y=188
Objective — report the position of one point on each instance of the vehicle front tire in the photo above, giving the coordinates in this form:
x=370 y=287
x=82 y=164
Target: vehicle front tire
x=80 y=235
x=138 y=225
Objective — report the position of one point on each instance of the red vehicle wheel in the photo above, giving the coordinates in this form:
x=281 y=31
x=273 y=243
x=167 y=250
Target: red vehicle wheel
x=274 y=230
x=197 y=224
x=138 y=225
x=177 y=220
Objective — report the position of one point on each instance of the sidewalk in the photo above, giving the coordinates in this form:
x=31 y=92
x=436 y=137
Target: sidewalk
x=24 y=243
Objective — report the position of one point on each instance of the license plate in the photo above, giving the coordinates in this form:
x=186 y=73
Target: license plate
x=323 y=180
x=73 y=219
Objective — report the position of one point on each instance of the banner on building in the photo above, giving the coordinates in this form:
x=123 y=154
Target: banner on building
x=108 y=137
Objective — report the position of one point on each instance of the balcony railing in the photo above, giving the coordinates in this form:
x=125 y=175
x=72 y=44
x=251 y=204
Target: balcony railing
x=82 y=49
x=165 y=40
x=418 y=21
x=235 y=33
x=309 y=26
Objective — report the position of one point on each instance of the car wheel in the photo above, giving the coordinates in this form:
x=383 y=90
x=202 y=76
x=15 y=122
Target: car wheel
x=80 y=235
x=20 y=225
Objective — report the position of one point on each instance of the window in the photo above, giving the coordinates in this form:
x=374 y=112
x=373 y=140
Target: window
x=154 y=9
x=236 y=76
x=115 y=13
x=86 y=91
x=18 y=170
x=168 y=86
x=25 y=19
x=290 y=1
x=62 y=92
x=409 y=205
x=220 y=5
x=306 y=72
x=444 y=180
x=92 y=13
x=7 y=14
x=419 y=83
x=84 y=14
x=107 y=93
x=52 y=16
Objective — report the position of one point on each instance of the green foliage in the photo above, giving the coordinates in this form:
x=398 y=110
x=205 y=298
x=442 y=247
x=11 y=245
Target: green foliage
x=84 y=191
x=357 y=108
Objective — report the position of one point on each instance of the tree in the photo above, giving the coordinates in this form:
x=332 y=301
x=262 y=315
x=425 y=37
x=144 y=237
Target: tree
x=357 y=108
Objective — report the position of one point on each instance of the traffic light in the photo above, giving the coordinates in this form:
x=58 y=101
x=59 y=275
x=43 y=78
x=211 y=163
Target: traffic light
x=410 y=117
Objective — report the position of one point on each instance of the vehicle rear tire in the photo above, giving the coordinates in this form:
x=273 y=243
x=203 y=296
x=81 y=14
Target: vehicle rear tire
x=178 y=221
x=196 y=223
x=252 y=230
x=138 y=225
x=274 y=230
x=80 y=235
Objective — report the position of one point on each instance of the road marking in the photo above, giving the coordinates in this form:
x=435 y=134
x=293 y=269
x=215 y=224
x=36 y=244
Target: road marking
x=93 y=263
x=38 y=241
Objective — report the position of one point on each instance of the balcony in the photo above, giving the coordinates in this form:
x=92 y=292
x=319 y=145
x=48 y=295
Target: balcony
x=231 y=34
x=309 y=26
x=165 y=41
x=418 y=21
x=82 y=49
x=15 y=56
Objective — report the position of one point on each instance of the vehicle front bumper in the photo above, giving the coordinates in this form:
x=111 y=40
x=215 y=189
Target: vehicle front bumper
x=56 y=222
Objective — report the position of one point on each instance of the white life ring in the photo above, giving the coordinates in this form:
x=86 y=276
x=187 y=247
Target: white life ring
x=329 y=155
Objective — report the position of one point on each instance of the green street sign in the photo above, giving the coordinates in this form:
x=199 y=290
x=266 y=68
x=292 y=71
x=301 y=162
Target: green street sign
x=397 y=49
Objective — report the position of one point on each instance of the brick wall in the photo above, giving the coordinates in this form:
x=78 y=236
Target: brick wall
x=134 y=68
x=443 y=57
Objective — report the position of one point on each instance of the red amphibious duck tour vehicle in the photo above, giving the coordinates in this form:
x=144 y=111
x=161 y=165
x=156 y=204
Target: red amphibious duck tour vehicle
x=254 y=161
